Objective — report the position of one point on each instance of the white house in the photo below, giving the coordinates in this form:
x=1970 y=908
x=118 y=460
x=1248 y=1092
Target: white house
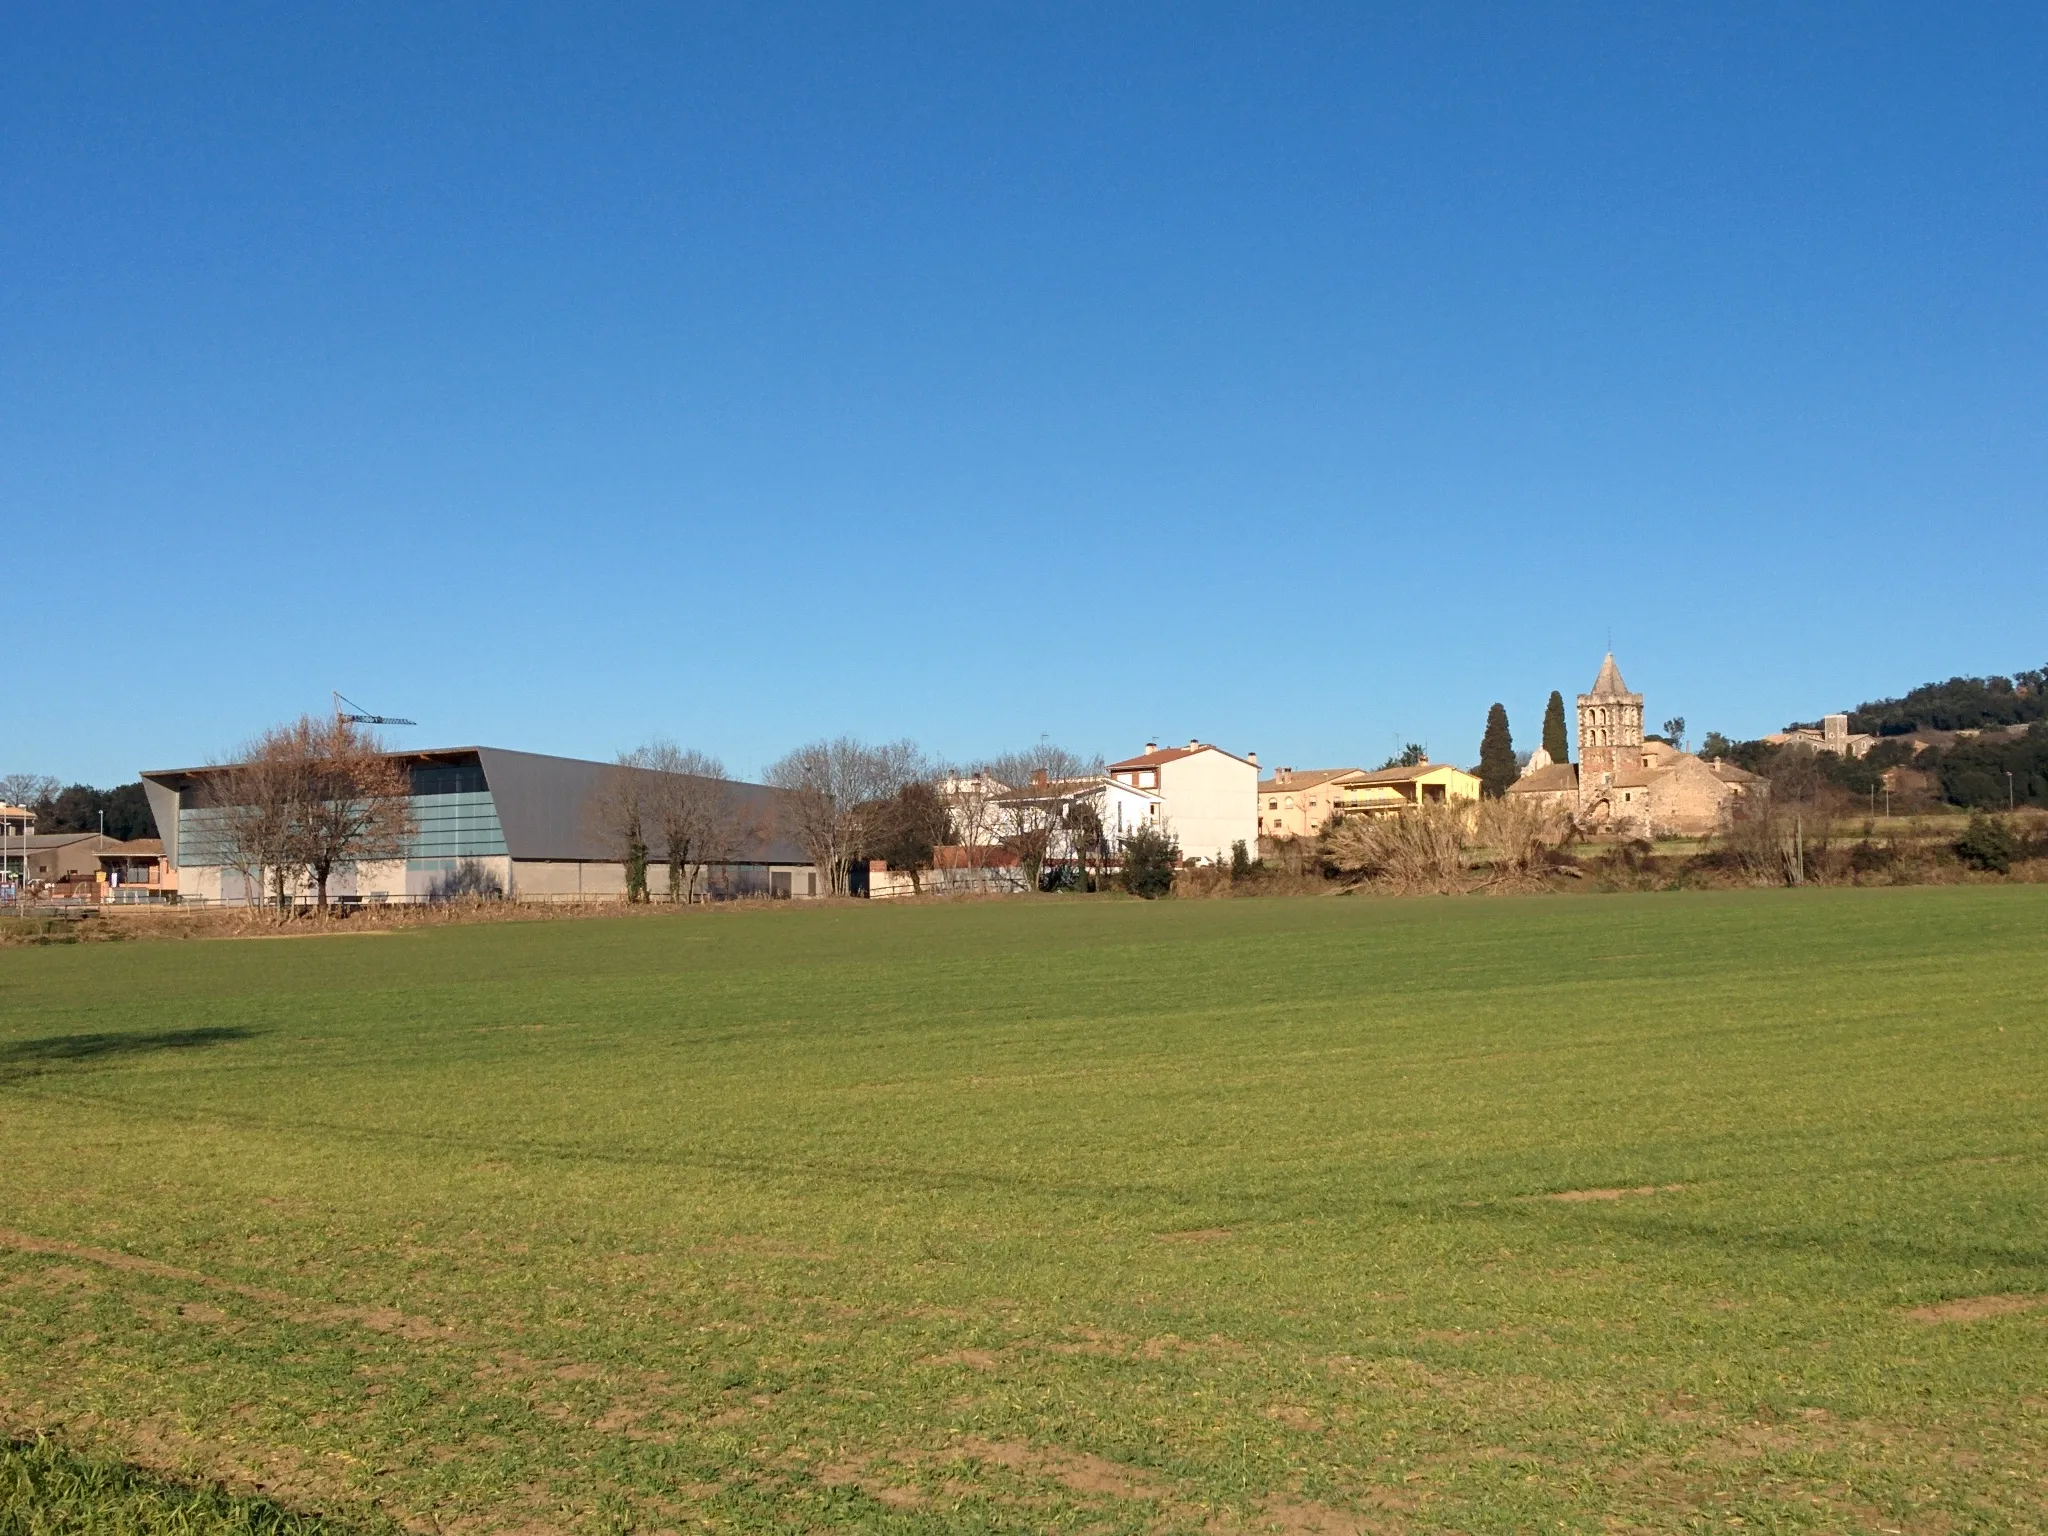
x=1119 y=808
x=1209 y=798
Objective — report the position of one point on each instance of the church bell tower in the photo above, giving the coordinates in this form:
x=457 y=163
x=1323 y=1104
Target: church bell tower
x=1610 y=727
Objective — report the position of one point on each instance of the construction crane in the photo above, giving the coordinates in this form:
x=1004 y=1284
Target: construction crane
x=355 y=714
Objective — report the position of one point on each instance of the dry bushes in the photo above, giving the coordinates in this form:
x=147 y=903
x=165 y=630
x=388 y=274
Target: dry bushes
x=1417 y=850
x=1520 y=838
x=1448 y=847
x=1422 y=851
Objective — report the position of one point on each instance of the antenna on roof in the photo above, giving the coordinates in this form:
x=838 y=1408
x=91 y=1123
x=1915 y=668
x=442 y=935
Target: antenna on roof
x=355 y=714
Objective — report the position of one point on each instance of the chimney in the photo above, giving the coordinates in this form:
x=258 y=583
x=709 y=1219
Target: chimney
x=1192 y=743
x=1252 y=758
x=1151 y=747
x=1038 y=777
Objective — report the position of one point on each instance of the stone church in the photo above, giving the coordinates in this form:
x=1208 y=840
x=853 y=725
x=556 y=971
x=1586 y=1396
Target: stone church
x=1624 y=786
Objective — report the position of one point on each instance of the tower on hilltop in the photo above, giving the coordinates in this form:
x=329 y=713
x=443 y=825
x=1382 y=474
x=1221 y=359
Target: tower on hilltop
x=1610 y=726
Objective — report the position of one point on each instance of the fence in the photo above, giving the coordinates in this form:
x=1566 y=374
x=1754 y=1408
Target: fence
x=887 y=885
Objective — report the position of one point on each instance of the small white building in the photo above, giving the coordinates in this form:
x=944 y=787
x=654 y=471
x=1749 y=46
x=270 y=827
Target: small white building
x=1209 y=798
x=1118 y=807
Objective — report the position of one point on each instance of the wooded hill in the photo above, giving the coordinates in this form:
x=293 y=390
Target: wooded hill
x=1960 y=704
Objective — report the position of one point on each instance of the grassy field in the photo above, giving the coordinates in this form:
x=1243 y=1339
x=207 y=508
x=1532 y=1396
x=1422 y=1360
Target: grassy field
x=1690 y=1212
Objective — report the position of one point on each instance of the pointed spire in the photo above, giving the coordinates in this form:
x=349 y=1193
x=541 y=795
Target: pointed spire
x=1608 y=684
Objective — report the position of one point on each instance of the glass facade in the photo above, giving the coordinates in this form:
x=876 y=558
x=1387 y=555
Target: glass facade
x=200 y=840
x=453 y=815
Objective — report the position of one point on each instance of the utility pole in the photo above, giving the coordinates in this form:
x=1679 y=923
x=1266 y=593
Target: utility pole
x=2008 y=791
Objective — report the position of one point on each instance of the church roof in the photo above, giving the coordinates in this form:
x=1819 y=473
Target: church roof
x=1555 y=779
x=1608 y=685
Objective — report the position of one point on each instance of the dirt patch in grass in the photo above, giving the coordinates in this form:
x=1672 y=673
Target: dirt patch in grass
x=1075 y=1470
x=979 y=1359
x=1577 y=1196
x=1289 y=1516
x=1097 y=1477
x=1974 y=1309
x=1294 y=1417
x=859 y=1474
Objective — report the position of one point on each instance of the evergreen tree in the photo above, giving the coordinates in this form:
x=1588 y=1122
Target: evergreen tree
x=1555 y=741
x=1496 y=755
x=1149 y=857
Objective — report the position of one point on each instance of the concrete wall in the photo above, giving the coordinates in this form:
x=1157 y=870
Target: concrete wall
x=1212 y=801
x=578 y=880
x=523 y=880
x=567 y=879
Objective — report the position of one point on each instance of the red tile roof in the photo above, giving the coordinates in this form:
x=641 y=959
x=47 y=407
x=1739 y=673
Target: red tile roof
x=1154 y=759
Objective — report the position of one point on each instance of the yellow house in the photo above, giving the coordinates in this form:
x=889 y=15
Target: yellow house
x=1295 y=802
x=1388 y=790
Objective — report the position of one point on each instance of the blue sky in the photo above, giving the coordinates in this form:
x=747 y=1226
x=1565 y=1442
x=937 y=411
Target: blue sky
x=1300 y=380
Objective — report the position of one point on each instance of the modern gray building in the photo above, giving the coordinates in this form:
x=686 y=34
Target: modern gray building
x=533 y=822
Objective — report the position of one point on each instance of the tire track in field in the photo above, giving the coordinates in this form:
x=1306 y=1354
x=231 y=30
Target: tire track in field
x=292 y=1308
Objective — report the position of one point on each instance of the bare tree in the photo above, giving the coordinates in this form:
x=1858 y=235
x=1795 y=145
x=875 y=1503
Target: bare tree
x=1086 y=835
x=904 y=829
x=826 y=785
x=620 y=812
x=1034 y=818
x=1045 y=763
x=357 y=806
x=1766 y=839
x=27 y=789
x=254 y=804
x=1777 y=829
x=310 y=798
x=974 y=813
x=1035 y=814
x=692 y=810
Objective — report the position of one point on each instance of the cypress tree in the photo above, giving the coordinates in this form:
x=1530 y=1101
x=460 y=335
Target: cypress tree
x=1496 y=755
x=1555 y=741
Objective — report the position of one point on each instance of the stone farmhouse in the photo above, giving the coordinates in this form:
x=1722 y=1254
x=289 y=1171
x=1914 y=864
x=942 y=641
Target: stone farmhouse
x=1833 y=736
x=1625 y=786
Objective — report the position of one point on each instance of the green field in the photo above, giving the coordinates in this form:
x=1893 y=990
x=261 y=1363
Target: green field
x=1054 y=1215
